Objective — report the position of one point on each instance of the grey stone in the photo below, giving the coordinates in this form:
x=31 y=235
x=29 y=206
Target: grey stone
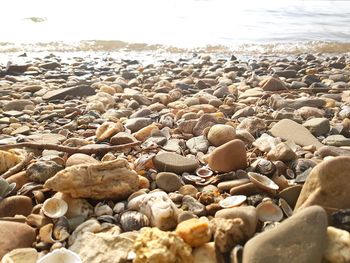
x=172 y=162
x=318 y=126
x=198 y=144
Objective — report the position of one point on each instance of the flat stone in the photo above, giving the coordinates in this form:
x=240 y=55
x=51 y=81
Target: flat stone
x=18 y=235
x=21 y=130
x=292 y=131
x=327 y=185
x=272 y=84
x=77 y=91
x=136 y=124
x=18 y=105
x=317 y=126
x=49 y=138
x=15 y=205
x=287 y=242
x=169 y=182
x=172 y=162
x=337 y=140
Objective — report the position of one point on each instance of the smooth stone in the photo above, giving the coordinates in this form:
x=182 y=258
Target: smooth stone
x=247 y=213
x=21 y=130
x=272 y=84
x=169 y=182
x=198 y=144
x=288 y=240
x=317 y=126
x=80 y=158
x=18 y=235
x=20 y=179
x=227 y=185
x=15 y=205
x=332 y=151
x=228 y=157
x=77 y=91
x=188 y=189
x=122 y=138
x=49 y=138
x=172 y=162
x=220 y=134
x=327 y=185
x=292 y=131
x=286 y=73
x=336 y=140
x=21 y=255
x=18 y=105
x=136 y=124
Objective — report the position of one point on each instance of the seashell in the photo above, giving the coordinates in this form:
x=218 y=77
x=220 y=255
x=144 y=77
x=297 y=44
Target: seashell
x=61 y=229
x=192 y=179
x=6 y=188
x=341 y=219
x=301 y=165
x=61 y=255
x=28 y=188
x=39 y=197
x=76 y=206
x=263 y=182
x=8 y=159
x=232 y=201
x=291 y=194
x=45 y=234
x=54 y=207
x=269 y=211
x=204 y=172
x=107 y=219
x=236 y=254
x=133 y=220
x=119 y=207
x=144 y=162
x=264 y=167
x=103 y=209
x=288 y=211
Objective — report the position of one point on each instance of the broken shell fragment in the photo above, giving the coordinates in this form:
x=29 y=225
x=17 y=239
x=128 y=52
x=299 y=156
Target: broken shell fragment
x=262 y=181
x=54 y=208
x=288 y=211
x=232 y=201
x=269 y=211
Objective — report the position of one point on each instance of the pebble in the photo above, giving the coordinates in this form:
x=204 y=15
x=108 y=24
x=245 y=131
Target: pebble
x=228 y=157
x=172 y=162
x=169 y=182
x=290 y=130
x=327 y=185
x=15 y=205
x=18 y=235
x=220 y=134
x=307 y=228
x=198 y=144
x=194 y=232
x=317 y=126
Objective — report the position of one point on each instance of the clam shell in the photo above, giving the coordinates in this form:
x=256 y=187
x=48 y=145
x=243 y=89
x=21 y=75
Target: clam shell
x=204 y=172
x=133 y=220
x=232 y=201
x=45 y=234
x=262 y=181
x=264 y=167
x=60 y=255
x=269 y=211
x=54 y=208
x=291 y=194
x=236 y=254
x=288 y=211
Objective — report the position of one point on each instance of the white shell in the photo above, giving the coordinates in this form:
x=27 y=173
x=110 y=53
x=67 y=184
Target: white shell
x=262 y=181
x=59 y=256
x=54 y=207
x=269 y=211
x=232 y=201
x=288 y=211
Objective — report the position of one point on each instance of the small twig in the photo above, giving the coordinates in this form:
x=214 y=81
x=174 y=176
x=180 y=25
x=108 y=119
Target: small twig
x=93 y=149
x=18 y=167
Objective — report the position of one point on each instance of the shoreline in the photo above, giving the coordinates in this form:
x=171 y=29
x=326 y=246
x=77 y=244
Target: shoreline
x=219 y=155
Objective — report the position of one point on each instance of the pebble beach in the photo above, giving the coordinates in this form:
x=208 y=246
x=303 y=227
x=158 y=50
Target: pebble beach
x=200 y=158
